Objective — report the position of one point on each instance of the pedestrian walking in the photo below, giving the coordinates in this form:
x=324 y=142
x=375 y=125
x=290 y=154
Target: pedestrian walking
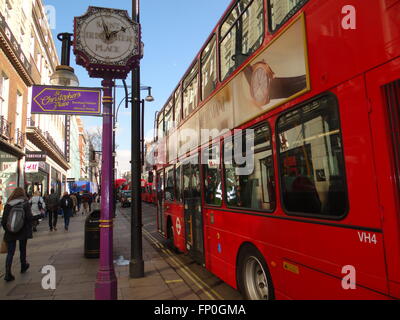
x=37 y=207
x=66 y=205
x=79 y=199
x=85 y=203
x=74 y=203
x=17 y=224
x=46 y=202
x=53 y=205
x=90 y=200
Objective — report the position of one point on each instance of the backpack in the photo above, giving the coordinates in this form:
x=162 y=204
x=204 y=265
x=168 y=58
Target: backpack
x=16 y=218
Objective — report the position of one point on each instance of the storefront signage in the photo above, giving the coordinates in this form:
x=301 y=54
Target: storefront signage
x=35 y=156
x=66 y=100
x=31 y=167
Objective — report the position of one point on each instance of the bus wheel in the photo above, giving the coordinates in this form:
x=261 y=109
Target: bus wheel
x=254 y=279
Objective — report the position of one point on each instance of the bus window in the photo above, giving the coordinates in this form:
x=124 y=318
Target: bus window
x=281 y=11
x=160 y=126
x=255 y=191
x=169 y=113
x=178 y=106
x=209 y=69
x=311 y=160
x=170 y=185
x=212 y=176
x=178 y=188
x=242 y=33
x=190 y=92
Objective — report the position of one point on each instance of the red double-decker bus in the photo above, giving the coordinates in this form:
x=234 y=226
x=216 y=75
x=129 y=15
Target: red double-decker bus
x=279 y=151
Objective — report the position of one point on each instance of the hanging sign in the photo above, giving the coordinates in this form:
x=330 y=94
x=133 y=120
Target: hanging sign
x=66 y=100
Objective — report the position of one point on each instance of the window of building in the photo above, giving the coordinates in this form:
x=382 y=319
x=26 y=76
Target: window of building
x=311 y=160
x=241 y=33
x=209 y=69
x=255 y=190
x=170 y=185
x=18 y=111
x=178 y=106
x=4 y=91
x=281 y=11
x=212 y=176
x=190 y=92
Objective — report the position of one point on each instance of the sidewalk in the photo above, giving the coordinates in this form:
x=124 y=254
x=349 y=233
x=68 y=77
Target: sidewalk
x=76 y=275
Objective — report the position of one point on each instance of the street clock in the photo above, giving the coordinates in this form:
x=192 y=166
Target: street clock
x=107 y=42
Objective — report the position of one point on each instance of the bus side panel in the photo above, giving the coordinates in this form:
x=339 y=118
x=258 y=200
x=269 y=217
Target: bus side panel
x=385 y=166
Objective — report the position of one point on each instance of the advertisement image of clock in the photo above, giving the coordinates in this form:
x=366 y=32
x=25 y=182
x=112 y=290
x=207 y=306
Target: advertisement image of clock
x=106 y=40
x=265 y=85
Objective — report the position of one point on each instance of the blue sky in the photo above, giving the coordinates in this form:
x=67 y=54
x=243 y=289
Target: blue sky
x=173 y=32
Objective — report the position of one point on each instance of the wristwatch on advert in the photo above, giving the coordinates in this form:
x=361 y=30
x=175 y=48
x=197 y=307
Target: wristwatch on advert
x=265 y=86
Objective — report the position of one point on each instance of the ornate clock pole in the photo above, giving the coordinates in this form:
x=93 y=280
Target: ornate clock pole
x=107 y=44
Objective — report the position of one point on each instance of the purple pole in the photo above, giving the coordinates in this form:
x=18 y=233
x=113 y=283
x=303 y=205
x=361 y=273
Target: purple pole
x=106 y=283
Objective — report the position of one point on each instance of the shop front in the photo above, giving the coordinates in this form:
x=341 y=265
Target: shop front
x=56 y=181
x=37 y=178
x=8 y=177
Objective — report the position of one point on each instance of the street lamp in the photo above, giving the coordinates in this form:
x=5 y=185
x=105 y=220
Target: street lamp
x=64 y=74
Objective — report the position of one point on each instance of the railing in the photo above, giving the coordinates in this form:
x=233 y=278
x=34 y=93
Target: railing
x=19 y=138
x=53 y=143
x=30 y=123
x=5 y=128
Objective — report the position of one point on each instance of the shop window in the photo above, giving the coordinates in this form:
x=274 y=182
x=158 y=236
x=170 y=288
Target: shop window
x=256 y=189
x=242 y=33
x=311 y=160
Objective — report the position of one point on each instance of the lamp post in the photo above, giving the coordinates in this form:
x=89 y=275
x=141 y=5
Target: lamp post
x=65 y=76
x=136 y=265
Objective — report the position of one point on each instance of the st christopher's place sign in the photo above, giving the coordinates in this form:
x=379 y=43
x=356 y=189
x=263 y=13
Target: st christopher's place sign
x=66 y=100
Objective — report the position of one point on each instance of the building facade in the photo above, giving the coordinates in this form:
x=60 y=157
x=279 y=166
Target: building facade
x=15 y=79
x=35 y=150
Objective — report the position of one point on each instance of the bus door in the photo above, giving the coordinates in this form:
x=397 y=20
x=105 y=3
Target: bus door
x=193 y=211
x=383 y=88
x=160 y=201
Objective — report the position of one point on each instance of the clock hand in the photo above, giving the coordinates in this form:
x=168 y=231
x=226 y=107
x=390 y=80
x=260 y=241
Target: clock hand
x=113 y=33
x=105 y=27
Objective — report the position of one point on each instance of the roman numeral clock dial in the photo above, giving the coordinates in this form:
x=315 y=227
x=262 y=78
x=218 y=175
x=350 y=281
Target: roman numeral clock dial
x=106 y=37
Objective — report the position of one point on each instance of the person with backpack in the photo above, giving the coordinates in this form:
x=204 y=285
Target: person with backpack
x=17 y=224
x=67 y=205
x=53 y=205
x=37 y=207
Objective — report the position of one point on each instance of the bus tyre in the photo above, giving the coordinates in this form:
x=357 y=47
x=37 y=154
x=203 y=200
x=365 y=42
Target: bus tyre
x=170 y=236
x=254 y=279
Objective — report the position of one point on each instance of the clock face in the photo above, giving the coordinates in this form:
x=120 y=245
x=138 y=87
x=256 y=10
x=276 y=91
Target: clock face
x=260 y=84
x=108 y=37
